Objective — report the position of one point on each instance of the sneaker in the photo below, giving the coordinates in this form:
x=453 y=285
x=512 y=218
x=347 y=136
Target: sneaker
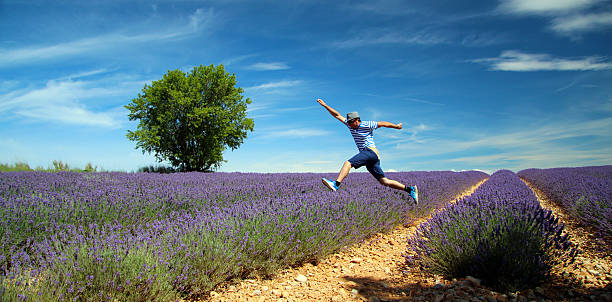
x=414 y=193
x=330 y=184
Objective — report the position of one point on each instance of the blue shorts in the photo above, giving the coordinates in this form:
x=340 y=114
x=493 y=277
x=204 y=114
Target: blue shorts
x=369 y=159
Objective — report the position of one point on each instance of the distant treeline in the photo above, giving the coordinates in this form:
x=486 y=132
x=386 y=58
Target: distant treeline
x=59 y=166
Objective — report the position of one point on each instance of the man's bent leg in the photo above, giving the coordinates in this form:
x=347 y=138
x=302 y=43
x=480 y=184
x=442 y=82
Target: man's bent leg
x=392 y=183
x=413 y=190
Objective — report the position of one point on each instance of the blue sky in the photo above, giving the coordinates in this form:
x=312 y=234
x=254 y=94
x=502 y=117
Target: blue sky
x=477 y=84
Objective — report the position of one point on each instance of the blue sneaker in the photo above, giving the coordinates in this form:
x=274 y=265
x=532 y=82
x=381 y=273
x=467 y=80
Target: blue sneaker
x=414 y=193
x=330 y=184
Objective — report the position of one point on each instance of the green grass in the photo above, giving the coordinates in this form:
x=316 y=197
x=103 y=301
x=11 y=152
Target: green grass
x=58 y=166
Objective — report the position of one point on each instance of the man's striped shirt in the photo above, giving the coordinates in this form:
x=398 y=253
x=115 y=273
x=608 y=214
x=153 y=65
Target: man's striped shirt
x=364 y=134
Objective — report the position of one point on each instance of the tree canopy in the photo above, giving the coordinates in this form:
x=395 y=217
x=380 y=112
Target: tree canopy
x=189 y=119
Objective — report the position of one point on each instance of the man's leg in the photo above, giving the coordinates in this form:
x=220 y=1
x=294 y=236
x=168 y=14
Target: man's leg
x=392 y=183
x=377 y=172
x=355 y=161
x=334 y=185
x=346 y=168
x=413 y=190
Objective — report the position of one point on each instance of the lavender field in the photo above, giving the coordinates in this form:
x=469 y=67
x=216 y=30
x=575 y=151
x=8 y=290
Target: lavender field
x=499 y=234
x=585 y=192
x=139 y=237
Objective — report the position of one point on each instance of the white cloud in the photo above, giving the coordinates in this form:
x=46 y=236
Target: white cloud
x=383 y=7
x=418 y=128
x=292 y=109
x=85 y=74
x=544 y=157
x=269 y=66
x=544 y=6
x=569 y=17
x=103 y=43
x=64 y=102
x=525 y=140
x=607 y=106
x=377 y=37
x=69 y=114
x=201 y=18
x=408 y=134
x=512 y=60
x=424 y=101
x=581 y=23
x=256 y=107
x=297 y=133
x=273 y=85
x=8 y=85
x=547 y=133
x=238 y=59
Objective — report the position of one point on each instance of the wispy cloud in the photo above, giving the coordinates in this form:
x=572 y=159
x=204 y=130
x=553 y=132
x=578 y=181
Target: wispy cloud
x=199 y=20
x=103 y=43
x=415 y=100
x=383 y=7
x=291 y=109
x=408 y=134
x=568 y=86
x=568 y=17
x=522 y=141
x=544 y=157
x=259 y=111
x=512 y=60
x=482 y=39
x=581 y=23
x=274 y=85
x=295 y=133
x=74 y=114
x=544 y=6
x=84 y=74
x=65 y=102
x=237 y=59
x=269 y=66
x=377 y=37
x=257 y=107
x=415 y=130
x=6 y=86
x=546 y=133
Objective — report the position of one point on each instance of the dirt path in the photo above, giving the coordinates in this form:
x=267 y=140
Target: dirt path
x=590 y=278
x=367 y=271
x=372 y=271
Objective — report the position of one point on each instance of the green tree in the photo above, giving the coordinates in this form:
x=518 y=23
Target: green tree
x=190 y=118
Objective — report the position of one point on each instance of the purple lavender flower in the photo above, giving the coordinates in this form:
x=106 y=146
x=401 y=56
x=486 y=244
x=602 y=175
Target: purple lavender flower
x=585 y=192
x=499 y=234
x=187 y=232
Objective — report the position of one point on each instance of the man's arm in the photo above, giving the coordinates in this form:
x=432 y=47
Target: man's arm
x=389 y=125
x=332 y=111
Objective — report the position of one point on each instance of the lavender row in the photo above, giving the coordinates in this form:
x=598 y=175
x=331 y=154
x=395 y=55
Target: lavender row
x=499 y=234
x=111 y=235
x=585 y=192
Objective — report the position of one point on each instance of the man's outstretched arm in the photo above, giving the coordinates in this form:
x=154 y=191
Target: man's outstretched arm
x=389 y=125
x=332 y=111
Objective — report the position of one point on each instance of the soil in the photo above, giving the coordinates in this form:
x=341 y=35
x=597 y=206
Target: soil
x=374 y=271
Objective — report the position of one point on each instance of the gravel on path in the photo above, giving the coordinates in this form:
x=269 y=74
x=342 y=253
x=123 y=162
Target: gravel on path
x=374 y=271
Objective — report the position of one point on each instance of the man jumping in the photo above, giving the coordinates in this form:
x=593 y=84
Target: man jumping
x=368 y=154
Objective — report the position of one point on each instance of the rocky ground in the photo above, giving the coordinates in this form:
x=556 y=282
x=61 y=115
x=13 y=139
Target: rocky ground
x=372 y=271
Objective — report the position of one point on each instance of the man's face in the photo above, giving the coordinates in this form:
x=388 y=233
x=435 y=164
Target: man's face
x=354 y=123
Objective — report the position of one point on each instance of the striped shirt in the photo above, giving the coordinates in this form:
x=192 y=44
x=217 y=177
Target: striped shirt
x=364 y=134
